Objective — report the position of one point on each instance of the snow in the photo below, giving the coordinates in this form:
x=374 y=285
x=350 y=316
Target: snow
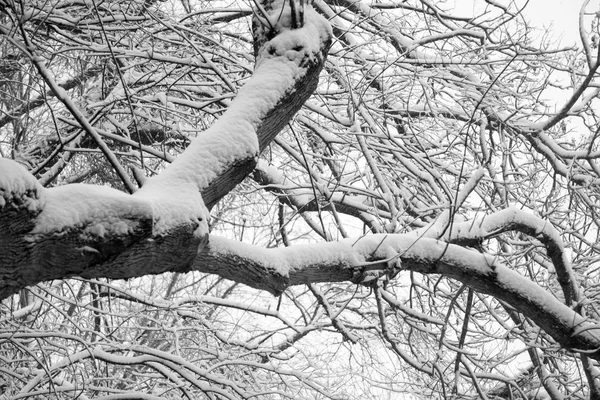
x=297 y=44
x=103 y=211
x=16 y=181
x=545 y=303
x=175 y=204
x=100 y=210
x=284 y=260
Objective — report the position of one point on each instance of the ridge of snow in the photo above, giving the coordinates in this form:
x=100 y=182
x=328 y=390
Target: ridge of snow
x=16 y=183
x=101 y=209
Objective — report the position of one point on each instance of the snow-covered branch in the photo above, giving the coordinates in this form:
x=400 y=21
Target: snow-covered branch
x=276 y=269
x=513 y=219
x=95 y=231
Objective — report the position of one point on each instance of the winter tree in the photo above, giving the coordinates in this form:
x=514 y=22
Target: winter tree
x=298 y=199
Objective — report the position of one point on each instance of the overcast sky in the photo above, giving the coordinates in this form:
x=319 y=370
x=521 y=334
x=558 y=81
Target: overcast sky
x=561 y=16
x=558 y=16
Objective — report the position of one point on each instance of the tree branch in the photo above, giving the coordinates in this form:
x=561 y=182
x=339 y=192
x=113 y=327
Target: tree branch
x=95 y=231
x=276 y=269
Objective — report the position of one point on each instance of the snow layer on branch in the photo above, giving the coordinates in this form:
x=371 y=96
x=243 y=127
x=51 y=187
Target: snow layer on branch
x=283 y=260
x=99 y=209
x=320 y=262
x=173 y=197
x=281 y=62
x=19 y=187
x=175 y=205
x=298 y=44
x=102 y=211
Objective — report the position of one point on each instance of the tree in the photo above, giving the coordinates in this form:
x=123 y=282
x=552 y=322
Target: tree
x=426 y=220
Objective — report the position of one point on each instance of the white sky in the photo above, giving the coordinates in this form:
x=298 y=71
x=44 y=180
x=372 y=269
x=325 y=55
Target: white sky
x=559 y=16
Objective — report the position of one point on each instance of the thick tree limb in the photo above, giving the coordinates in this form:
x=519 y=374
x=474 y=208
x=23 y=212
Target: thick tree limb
x=94 y=231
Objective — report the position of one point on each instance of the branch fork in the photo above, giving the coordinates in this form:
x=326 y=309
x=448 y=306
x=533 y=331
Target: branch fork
x=95 y=231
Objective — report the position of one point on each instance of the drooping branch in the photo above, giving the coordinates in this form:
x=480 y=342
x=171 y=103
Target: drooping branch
x=95 y=231
x=513 y=219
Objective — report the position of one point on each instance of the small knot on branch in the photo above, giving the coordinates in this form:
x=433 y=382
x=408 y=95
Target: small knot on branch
x=278 y=15
x=374 y=273
x=274 y=17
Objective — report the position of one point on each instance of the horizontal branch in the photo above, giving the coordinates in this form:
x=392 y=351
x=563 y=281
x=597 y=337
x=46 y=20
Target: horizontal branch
x=276 y=269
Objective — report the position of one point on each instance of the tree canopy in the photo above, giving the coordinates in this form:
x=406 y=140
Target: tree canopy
x=297 y=199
